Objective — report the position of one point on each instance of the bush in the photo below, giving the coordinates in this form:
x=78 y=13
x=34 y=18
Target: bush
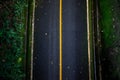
x=12 y=29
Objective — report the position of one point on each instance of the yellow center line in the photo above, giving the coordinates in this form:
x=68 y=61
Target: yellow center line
x=60 y=40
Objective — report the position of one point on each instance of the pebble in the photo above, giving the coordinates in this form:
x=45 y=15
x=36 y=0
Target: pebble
x=102 y=31
x=78 y=4
x=49 y=1
x=3 y=60
x=51 y=62
x=113 y=26
x=45 y=13
x=113 y=19
x=80 y=72
x=37 y=19
x=35 y=57
x=68 y=67
x=46 y=34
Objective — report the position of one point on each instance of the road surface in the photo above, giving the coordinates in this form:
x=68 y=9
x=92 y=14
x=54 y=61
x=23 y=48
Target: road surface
x=46 y=40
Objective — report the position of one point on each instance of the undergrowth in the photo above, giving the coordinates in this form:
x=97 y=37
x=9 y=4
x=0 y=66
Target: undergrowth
x=12 y=33
x=110 y=25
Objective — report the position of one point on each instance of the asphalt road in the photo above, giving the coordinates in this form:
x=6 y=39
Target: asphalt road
x=46 y=45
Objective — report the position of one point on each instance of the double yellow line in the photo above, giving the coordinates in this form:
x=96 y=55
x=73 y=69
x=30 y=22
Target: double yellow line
x=60 y=39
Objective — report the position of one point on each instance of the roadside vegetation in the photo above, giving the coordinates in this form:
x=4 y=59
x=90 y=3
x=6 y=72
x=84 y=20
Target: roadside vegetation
x=12 y=39
x=106 y=21
x=110 y=33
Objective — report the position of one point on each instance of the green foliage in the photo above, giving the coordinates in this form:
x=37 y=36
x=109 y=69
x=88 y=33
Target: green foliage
x=12 y=28
x=110 y=25
x=106 y=21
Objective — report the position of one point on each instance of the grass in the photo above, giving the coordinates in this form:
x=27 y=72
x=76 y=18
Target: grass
x=110 y=56
x=106 y=22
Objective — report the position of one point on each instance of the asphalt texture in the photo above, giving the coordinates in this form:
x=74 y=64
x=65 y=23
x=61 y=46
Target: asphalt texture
x=46 y=40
